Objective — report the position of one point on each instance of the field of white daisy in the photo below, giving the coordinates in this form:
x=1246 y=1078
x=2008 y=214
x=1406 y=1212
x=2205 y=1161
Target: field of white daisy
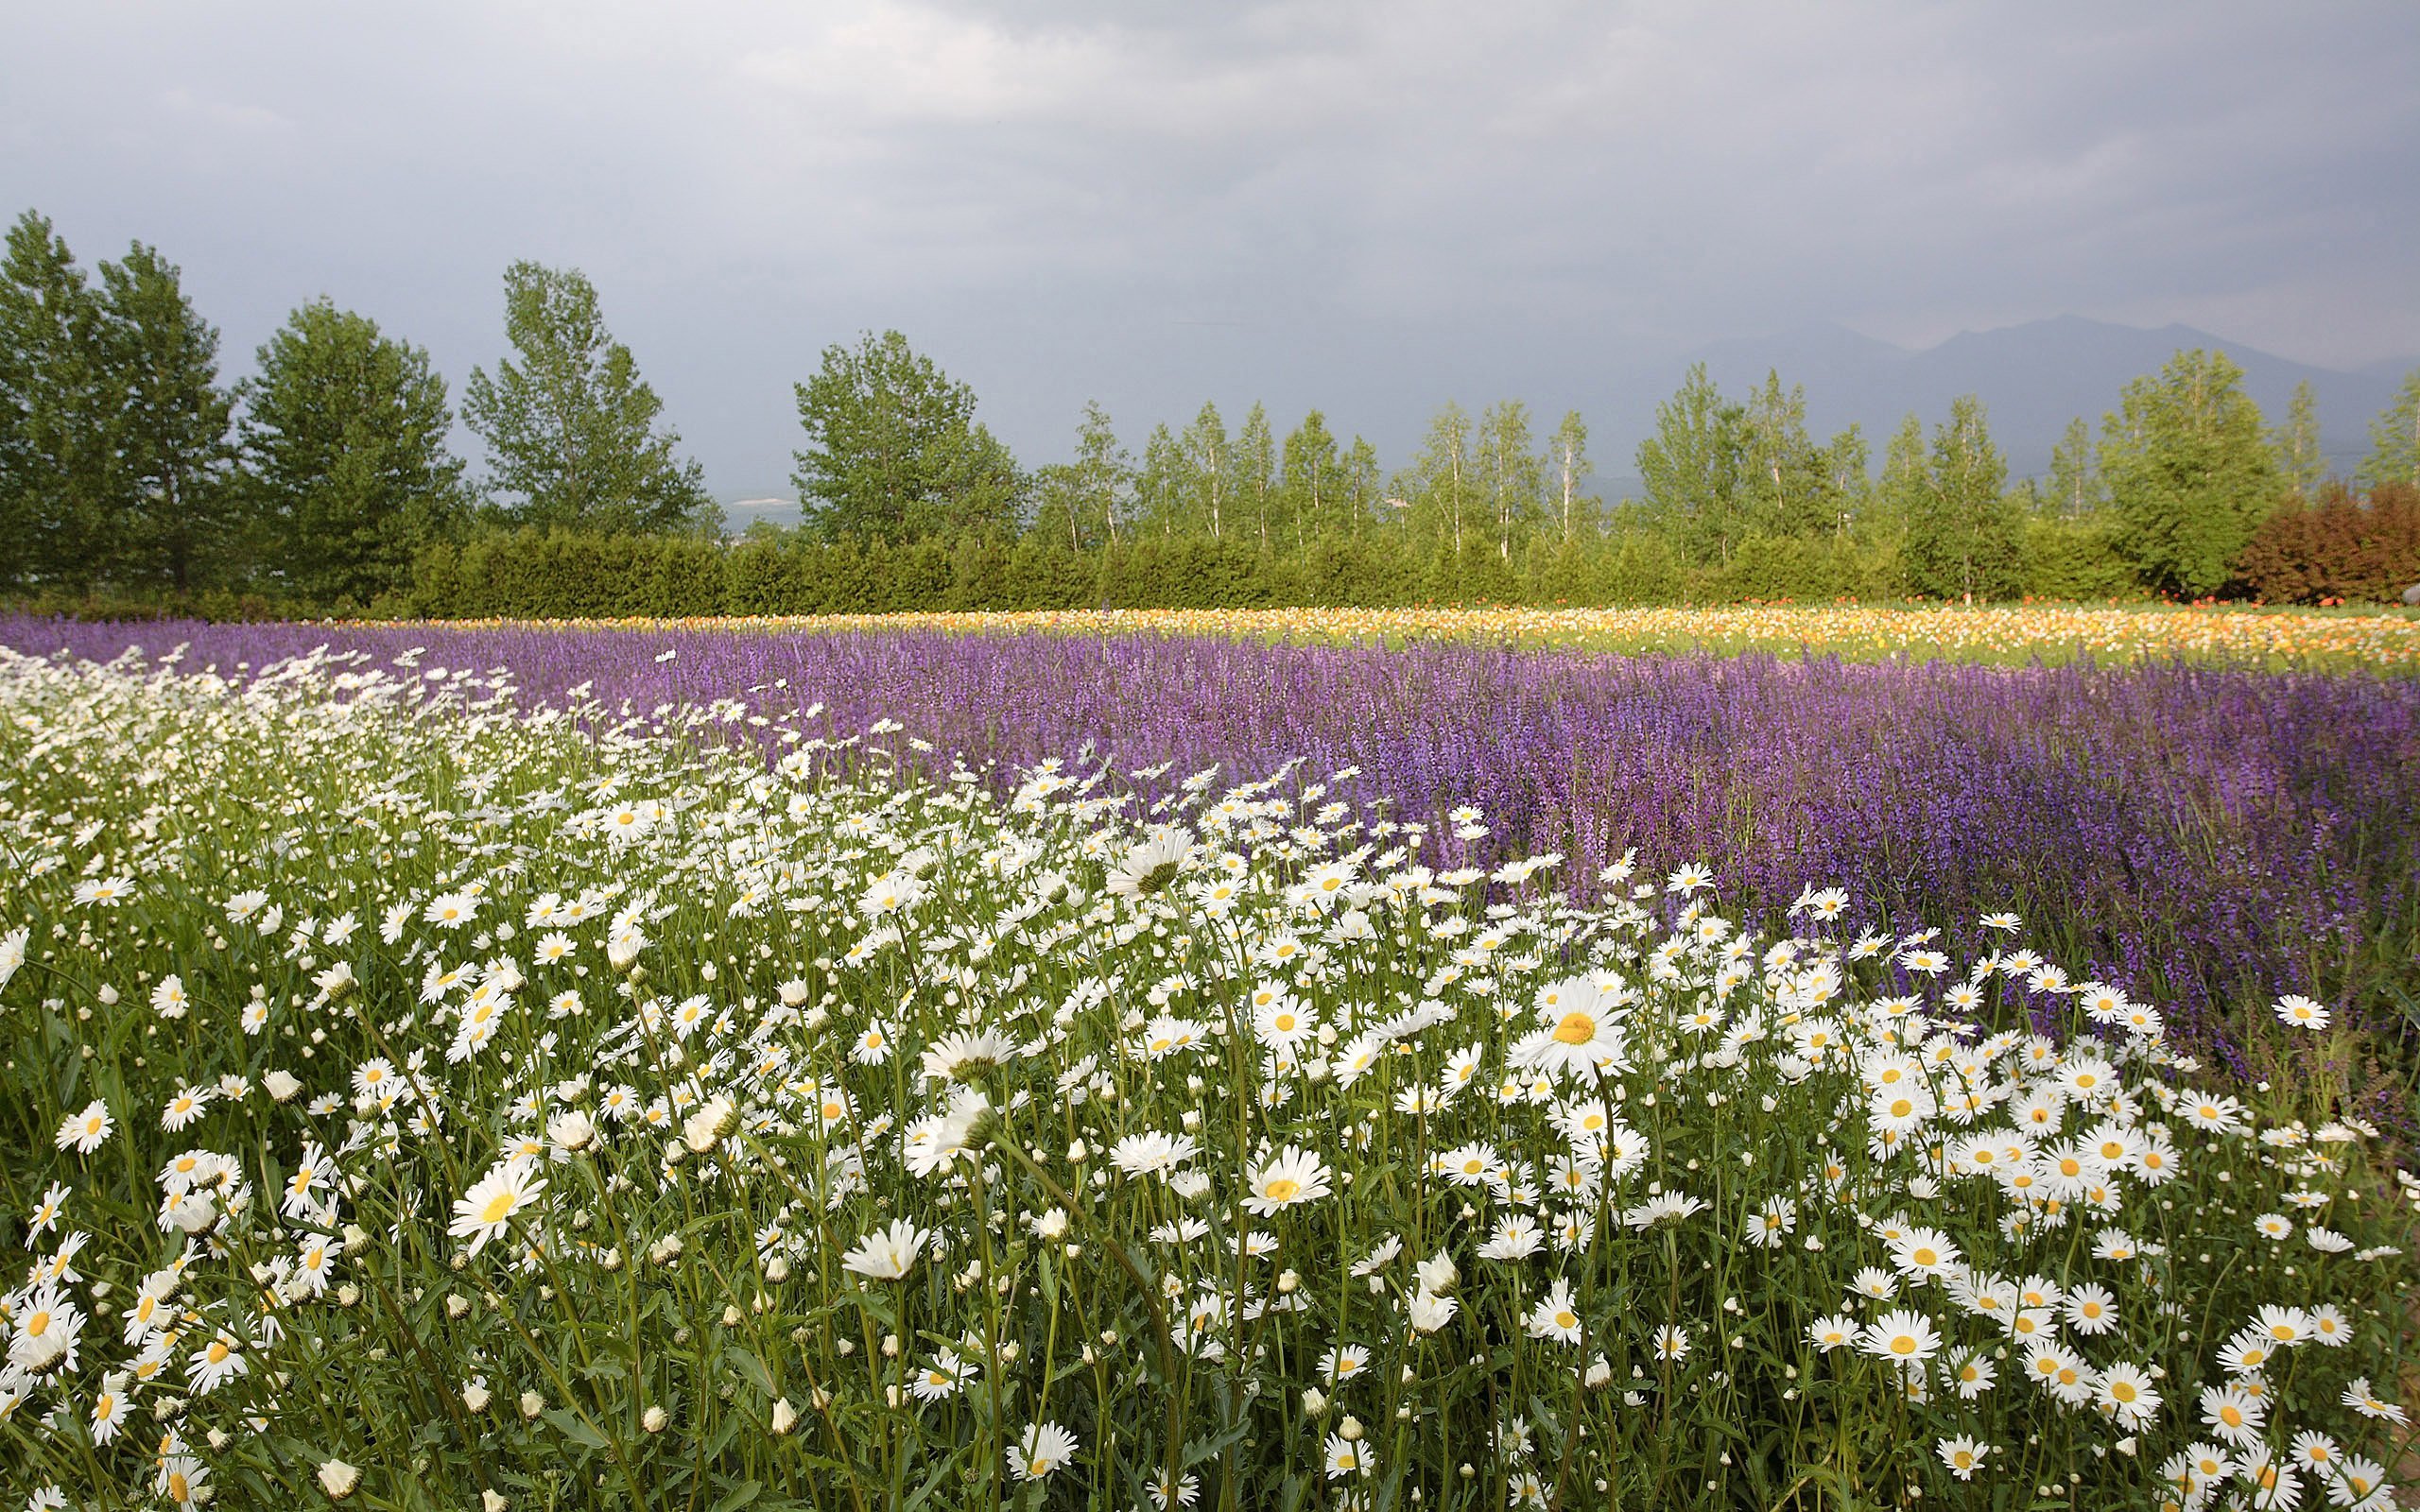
x=421 y=1100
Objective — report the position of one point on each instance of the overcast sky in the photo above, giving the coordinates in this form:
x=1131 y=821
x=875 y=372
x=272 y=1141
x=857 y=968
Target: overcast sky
x=1369 y=207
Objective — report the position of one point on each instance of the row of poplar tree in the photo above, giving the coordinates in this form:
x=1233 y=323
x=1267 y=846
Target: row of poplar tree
x=325 y=480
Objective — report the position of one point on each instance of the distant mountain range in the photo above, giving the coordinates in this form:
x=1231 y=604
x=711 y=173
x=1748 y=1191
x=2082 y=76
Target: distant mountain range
x=2032 y=379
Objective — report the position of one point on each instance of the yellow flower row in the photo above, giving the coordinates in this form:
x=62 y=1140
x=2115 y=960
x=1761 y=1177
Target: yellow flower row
x=2383 y=640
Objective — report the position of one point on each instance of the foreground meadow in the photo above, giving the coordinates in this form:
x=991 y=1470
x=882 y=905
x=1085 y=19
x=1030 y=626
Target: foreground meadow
x=425 y=1094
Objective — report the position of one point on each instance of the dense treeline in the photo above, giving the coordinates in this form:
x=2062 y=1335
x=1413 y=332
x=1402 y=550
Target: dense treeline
x=130 y=476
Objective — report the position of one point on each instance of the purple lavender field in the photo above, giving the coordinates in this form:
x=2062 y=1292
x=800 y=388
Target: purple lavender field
x=2205 y=838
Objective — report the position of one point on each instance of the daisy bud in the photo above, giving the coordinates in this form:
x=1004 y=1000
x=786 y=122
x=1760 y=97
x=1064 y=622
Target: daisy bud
x=532 y=1404
x=777 y=1269
x=709 y=1123
x=339 y=1478
x=193 y=1212
x=282 y=1086
x=1349 y=1430
x=654 y=1418
x=785 y=1416
x=1314 y=1403
x=490 y=1502
x=475 y=1395
x=572 y=1131
x=108 y=995
x=456 y=1305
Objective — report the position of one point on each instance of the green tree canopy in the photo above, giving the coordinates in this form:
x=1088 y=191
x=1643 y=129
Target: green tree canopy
x=571 y=428
x=2300 y=464
x=2189 y=471
x=1084 y=504
x=1440 y=487
x=1964 y=536
x=1691 y=467
x=1511 y=476
x=1209 y=466
x=894 y=452
x=2075 y=487
x=343 y=435
x=61 y=508
x=2395 y=438
x=174 y=450
x=1785 y=485
x=1312 y=479
x=1567 y=470
x=1846 y=462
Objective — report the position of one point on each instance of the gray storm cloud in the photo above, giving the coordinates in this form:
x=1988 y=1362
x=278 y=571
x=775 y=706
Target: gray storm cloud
x=1366 y=207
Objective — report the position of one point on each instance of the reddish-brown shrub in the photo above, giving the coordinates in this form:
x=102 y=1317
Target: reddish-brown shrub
x=2343 y=545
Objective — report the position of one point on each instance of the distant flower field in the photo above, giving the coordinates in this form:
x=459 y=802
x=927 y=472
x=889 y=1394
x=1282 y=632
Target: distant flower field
x=2379 y=639
x=470 y=1069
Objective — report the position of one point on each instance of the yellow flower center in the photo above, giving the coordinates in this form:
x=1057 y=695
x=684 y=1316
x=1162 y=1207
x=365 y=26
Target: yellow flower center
x=498 y=1209
x=1576 y=1029
x=1283 y=1189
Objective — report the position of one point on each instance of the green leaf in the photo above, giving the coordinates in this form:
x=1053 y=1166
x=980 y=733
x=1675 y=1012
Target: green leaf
x=739 y=1496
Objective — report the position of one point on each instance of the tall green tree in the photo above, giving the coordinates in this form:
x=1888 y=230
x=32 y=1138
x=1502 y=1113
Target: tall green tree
x=175 y=452
x=2189 y=471
x=1965 y=539
x=1313 y=482
x=1510 y=476
x=571 y=429
x=1161 y=487
x=2300 y=465
x=1783 y=478
x=1846 y=462
x=1080 y=504
x=62 y=506
x=1211 y=465
x=2395 y=438
x=1567 y=470
x=344 y=439
x=1365 y=488
x=893 y=450
x=1440 y=487
x=2075 y=488
x=1907 y=478
x=1256 y=491
x=1691 y=466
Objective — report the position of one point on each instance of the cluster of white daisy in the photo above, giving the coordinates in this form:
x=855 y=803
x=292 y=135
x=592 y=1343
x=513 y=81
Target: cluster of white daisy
x=574 y=1106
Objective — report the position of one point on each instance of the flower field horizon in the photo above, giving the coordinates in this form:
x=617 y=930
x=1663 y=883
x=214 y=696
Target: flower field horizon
x=2378 y=639
x=471 y=1070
